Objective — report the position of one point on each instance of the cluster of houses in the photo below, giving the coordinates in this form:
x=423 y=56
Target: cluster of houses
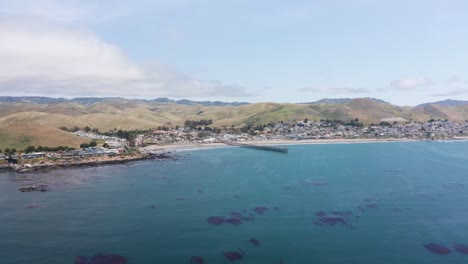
x=300 y=130
x=115 y=146
x=114 y=142
x=71 y=154
x=180 y=135
x=440 y=129
x=428 y=130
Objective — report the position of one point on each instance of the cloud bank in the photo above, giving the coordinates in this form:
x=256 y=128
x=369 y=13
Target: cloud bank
x=454 y=92
x=334 y=89
x=453 y=80
x=410 y=83
x=43 y=59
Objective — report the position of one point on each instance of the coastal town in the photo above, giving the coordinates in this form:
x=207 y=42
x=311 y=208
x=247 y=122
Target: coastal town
x=114 y=149
x=308 y=130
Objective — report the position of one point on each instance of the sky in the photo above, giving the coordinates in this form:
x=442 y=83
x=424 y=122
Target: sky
x=404 y=52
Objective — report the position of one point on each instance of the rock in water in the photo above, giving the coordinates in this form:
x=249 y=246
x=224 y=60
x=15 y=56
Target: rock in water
x=254 y=241
x=196 y=260
x=462 y=248
x=34 y=188
x=437 y=249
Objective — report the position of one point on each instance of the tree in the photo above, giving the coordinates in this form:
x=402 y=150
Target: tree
x=87 y=128
x=84 y=145
x=105 y=145
x=384 y=123
x=29 y=149
x=7 y=151
x=13 y=150
x=64 y=128
x=131 y=139
x=93 y=143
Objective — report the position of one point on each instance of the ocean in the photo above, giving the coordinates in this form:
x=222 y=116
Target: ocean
x=331 y=203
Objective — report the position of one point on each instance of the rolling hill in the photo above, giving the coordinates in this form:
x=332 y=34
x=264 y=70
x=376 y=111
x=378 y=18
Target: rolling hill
x=36 y=120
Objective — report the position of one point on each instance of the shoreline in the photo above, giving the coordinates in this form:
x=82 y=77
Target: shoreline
x=203 y=146
x=48 y=166
x=169 y=152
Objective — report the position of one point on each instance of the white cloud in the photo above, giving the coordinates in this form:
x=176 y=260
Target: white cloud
x=334 y=89
x=47 y=60
x=53 y=53
x=455 y=92
x=453 y=80
x=410 y=83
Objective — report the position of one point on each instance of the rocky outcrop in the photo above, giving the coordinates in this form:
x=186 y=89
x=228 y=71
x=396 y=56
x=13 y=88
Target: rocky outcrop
x=34 y=188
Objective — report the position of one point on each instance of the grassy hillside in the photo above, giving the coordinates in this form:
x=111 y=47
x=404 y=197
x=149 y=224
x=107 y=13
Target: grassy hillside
x=23 y=123
x=457 y=113
x=20 y=135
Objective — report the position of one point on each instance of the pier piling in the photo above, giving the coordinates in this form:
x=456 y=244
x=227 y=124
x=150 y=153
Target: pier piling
x=268 y=148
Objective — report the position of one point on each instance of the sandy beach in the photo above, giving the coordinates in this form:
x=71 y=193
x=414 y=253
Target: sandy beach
x=165 y=151
x=200 y=146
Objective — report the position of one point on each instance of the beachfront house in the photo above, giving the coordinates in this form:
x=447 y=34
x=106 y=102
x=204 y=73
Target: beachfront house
x=34 y=155
x=115 y=151
x=209 y=140
x=70 y=154
x=114 y=143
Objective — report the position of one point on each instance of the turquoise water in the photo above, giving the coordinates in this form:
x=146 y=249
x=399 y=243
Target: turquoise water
x=420 y=190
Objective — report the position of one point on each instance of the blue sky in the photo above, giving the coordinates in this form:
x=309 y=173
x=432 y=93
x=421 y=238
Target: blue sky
x=404 y=52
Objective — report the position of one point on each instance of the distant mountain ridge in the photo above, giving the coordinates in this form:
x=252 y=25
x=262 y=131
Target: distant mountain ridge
x=93 y=100
x=342 y=100
x=448 y=102
x=209 y=103
x=31 y=99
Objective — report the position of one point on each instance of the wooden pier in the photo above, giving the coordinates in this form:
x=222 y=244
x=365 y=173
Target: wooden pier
x=268 y=148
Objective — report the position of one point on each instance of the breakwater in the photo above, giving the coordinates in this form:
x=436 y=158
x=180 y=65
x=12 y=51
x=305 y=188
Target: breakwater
x=268 y=148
